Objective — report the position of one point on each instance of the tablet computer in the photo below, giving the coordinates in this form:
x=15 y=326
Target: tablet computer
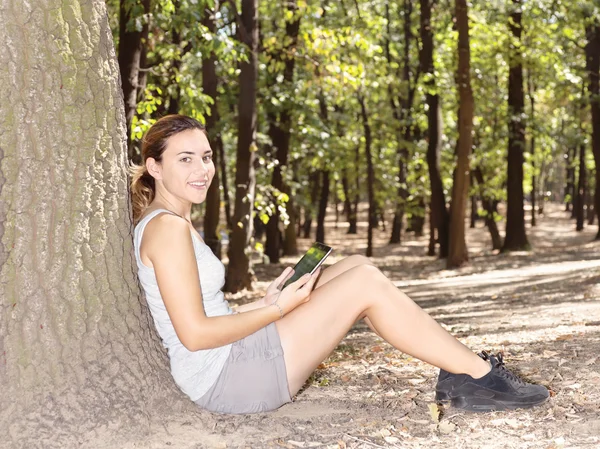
x=312 y=260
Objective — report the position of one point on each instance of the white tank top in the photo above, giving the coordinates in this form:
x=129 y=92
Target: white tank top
x=193 y=371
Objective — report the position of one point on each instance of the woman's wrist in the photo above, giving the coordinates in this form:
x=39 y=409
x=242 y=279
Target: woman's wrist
x=279 y=309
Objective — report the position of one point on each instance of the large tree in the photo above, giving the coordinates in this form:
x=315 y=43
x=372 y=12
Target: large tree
x=239 y=271
x=458 y=253
x=439 y=213
x=516 y=238
x=592 y=54
x=76 y=347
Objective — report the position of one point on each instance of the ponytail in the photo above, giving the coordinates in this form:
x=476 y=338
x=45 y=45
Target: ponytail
x=142 y=190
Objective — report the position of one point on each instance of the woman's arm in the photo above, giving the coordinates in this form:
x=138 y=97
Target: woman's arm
x=170 y=249
x=250 y=306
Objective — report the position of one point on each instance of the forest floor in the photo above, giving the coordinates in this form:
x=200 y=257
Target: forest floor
x=539 y=307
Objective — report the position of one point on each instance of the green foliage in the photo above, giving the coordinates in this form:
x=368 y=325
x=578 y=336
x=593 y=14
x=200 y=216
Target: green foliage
x=347 y=49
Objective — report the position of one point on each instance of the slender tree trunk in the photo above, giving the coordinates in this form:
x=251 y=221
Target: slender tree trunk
x=570 y=187
x=458 y=253
x=581 y=187
x=490 y=210
x=402 y=114
x=590 y=205
x=279 y=130
x=516 y=238
x=309 y=210
x=209 y=87
x=439 y=213
x=370 y=175
x=224 y=182
x=132 y=47
x=353 y=220
x=531 y=88
x=239 y=272
x=346 y=189
x=78 y=354
x=324 y=196
x=473 y=211
x=592 y=53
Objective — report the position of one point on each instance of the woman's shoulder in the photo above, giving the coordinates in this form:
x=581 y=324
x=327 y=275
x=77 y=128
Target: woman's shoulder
x=165 y=224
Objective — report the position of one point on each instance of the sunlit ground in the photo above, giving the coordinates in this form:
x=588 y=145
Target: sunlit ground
x=539 y=307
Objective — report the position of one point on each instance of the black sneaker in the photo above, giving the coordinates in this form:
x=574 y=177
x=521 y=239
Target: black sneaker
x=498 y=390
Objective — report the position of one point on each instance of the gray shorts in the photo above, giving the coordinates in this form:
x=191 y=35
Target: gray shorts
x=253 y=379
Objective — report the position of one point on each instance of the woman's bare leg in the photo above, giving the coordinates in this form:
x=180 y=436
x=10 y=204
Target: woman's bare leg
x=313 y=330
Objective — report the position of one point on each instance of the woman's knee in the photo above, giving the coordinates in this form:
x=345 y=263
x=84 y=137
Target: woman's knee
x=359 y=259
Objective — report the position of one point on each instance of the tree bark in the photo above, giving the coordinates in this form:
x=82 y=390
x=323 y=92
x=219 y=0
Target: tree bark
x=402 y=112
x=353 y=219
x=439 y=213
x=279 y=131
x=489 y=206
x=516 y=238
x=592 y=53
x=239 y=272
x=531 y=88
x=210 y=84
x=323 y=198
x=458 y=253
x=570 y=187
x=132 y=47
x=77 y=350
x=370 y=175
x=315 y=186
x=581 y=190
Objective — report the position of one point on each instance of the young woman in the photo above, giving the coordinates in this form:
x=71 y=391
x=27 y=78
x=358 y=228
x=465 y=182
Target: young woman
x=257 y=358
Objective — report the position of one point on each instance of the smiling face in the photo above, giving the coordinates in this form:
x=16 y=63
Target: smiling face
x=186 y=169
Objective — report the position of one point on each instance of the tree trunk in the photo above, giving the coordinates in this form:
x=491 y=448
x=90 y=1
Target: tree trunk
x=490 y=210
x=592 y=53
x=439 y=213
x=239 y=272
x=353 y=220
x=590 y=207
x=279 y=129
x=370 y=175
x=570 y=187
x=458 y=253
x=403 y=116
x=309 y=210
x=531 y=91
x=346 y=189
x=132 y=46
x=209 y=87
x=516 y=238
x=77 y=350
x=324 y=196
x=581 y=187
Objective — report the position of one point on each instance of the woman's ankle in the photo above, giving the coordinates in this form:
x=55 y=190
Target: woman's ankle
x=482 y=368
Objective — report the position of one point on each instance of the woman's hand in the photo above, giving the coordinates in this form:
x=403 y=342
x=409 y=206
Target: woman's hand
x=298 y=292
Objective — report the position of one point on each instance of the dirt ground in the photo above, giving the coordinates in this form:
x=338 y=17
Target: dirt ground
x=539 y=307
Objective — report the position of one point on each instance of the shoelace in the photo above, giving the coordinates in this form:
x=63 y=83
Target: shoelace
x=498 y=362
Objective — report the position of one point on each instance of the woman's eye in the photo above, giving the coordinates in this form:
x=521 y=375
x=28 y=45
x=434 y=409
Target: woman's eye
x=208 y=158
x=186 y=159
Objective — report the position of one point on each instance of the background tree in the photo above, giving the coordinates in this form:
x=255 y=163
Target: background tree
x=458 y=253
x=516 y=237
x=239 y=274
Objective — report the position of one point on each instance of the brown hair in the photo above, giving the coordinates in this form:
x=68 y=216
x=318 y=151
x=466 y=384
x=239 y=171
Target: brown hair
x=154 y=144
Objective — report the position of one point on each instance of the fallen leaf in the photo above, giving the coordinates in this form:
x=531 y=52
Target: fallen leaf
x=446 y=427
x=391 y=440
x=434 y=412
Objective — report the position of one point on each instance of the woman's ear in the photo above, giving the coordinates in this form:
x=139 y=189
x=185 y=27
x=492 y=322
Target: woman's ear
x=153 y=168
